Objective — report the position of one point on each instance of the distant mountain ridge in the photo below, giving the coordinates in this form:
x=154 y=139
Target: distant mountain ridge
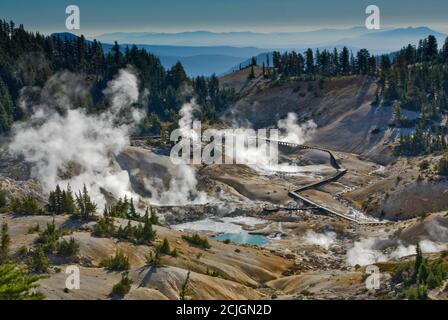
x=355 y=37
x=205 y=52
x=245 y=38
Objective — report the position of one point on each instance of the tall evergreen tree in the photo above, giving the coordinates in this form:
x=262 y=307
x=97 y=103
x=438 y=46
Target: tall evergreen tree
x=345 y=61
x=86 y=207
x=309 y=61
x=5 y=241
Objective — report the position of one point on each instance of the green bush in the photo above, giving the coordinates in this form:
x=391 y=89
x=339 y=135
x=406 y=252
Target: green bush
x=416 y=293
x=61 y=201
x=119 y=262
x=142 y=233
x=25 y=205
x=123 y=287
x=68 y=248
x=48 y=238
x=37 y=260
x=17 y=284
x=123 y=208
x=420 y=275
x=104 y=227
x=197 y=241
x=424 y=165
x=165 y=248
x=34 y=229
x=139 y=234
x=185 y=291
x=86 y=207
x=154 y=219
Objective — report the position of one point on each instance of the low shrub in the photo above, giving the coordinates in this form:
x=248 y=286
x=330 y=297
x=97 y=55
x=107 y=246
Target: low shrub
x=197 y=240
x=68 y=248
x=119 y=262
x=26 y=205
x=37 y=260
x=123 y=287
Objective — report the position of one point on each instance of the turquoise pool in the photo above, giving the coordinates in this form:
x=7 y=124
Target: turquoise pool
x=243 y=238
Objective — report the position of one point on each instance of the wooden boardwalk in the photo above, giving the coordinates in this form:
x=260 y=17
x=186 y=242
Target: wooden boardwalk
x=340 y=171
x=295 y=194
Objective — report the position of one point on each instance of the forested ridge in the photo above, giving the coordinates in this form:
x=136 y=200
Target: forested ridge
x=413 y=79
x=30 y=59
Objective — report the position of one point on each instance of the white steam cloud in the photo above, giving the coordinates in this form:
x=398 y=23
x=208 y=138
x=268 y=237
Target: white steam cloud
x=369 y=251
x=72 y=146
x=290 y=131
x=183 y=184
x=293 y=132
x=324 y=240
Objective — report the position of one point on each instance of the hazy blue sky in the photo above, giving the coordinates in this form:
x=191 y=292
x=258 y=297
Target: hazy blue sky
x=223 y=15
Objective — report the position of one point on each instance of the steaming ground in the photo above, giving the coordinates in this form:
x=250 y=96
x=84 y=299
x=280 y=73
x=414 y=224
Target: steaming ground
x=68 y=146
x=307 y=250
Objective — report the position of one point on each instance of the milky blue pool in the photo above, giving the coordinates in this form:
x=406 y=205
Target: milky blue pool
x=243 y=238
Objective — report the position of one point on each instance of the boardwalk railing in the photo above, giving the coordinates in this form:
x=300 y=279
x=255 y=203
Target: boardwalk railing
x=340 y=171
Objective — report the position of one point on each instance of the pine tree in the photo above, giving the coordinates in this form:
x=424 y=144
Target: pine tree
x=422 y=273
x=430 y=48
x=445 y=51
x=309 y=61
x=418 y=261
x=86 y=207
x=253 y=61
x=432 y=281
x=165 y=247
x=177 y=75
x=17 y=284
x=184 y=293
x=397 y=113
x=3 y=200
x=7 y=107
x=252 y=73
x=68 y=203
x=154 y=219
x=51 y=203
x=345 y=61
x=132 y=212
x=58 y=200
x=442 y=167
x=38 y=261
x=5 y=241
x=335 y=62
x=148 y=233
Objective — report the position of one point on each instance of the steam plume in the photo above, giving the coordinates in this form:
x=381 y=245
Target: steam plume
x=66 y=145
